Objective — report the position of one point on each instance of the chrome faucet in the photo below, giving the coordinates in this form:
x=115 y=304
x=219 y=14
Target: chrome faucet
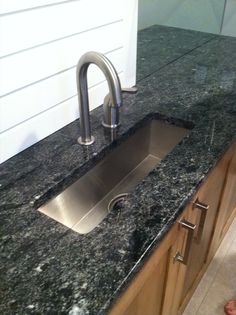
x=112 y=101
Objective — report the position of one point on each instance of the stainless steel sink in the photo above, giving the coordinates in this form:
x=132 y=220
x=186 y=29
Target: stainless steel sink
x=84 y=204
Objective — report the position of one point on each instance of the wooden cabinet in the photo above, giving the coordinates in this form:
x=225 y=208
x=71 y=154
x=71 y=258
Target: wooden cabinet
x=175 y=272
x=150 y=296
x=168 y=279
x=228 y=204
x=227 y=208
x=153 y=288
x=204 y=211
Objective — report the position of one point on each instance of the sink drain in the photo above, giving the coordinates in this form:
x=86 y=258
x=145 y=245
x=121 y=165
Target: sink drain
x=116 y=201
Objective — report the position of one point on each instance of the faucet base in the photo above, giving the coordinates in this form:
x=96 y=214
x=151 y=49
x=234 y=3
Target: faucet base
x=112 y=126
x=86 y=142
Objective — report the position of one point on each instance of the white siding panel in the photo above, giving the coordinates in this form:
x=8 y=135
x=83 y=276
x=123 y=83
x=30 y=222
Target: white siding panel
x=229 y=23
x=31 y=131
x=8 y=6
x=20 y=70
x=30 y=28
x=26 y=103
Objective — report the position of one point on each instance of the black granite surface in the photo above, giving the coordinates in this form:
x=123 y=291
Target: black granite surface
x=172 y=43
x=45 y=268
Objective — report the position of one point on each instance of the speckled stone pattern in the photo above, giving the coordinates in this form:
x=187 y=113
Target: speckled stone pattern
x=155 y=52
x=45 y=268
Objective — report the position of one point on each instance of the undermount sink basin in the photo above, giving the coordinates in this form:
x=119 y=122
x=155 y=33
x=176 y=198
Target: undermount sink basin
x=84 y=204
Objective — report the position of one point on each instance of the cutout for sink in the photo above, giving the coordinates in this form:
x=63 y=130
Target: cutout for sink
x=84 y=204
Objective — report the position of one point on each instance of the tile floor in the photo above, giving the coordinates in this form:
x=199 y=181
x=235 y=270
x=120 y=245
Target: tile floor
x=218 y=285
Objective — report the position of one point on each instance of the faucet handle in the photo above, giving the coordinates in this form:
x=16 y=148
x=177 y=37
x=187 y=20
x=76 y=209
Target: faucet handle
x=110 y=113
x=111 y=110
x=131 y=90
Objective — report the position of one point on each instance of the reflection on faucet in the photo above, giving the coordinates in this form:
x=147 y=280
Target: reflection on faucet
x=112 y=101
x=110 y=134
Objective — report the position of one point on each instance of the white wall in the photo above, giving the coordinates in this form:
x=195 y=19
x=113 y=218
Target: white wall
x=229 y=24
x=40 y=44
x=200 y=15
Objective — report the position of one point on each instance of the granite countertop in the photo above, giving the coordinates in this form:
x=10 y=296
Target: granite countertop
x=184 y=77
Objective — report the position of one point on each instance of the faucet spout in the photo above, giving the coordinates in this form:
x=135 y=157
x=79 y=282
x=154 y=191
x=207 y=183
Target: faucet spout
x=111 y=103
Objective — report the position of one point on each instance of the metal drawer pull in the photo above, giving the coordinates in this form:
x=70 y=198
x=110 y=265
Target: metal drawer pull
x=203 y=207
x=190 y=227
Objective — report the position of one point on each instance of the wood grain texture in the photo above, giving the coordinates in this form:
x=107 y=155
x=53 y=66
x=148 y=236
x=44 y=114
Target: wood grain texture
x=139 y=296
x=227 y=209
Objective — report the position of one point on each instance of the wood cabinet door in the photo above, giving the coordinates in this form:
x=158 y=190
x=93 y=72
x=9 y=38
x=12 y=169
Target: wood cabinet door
x=228 y=203
x=227 y=209
x=149 y=299
x=203 y=212
x=176 y=269
x=151 y=291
